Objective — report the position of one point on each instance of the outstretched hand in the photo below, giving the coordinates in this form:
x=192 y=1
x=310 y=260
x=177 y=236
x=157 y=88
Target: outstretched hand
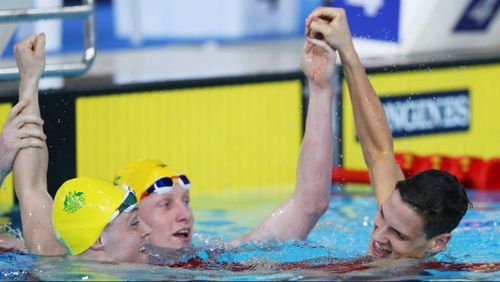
x=30 y=56
x=15 y=136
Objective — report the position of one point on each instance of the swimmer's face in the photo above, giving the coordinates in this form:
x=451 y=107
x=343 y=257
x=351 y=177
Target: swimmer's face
x=125 y=239
x=399 y=232
x=170 y=217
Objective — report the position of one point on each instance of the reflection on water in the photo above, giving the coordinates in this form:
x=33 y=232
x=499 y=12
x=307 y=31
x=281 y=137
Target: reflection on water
x=334 y=250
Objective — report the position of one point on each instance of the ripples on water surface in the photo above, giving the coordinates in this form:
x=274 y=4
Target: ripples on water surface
x=333 y=250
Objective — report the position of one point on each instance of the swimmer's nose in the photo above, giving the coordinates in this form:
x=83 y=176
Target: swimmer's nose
x=380 y=234
x=144 y=229
x=184 y=213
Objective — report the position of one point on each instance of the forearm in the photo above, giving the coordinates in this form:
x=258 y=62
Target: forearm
x=30 y=177
x=31 y=162
x=30 y=174
x=316 y=154
x=28 y=89
x=370 y=120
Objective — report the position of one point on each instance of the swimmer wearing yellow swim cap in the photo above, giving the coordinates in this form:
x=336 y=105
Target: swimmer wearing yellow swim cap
x=90 y=218
x=93 y=218
x=163 y=196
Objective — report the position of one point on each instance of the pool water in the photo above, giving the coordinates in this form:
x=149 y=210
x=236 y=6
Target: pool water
x=333 y=251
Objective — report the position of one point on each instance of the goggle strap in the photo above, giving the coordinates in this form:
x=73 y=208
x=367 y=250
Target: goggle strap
x=129 y=202
x=114 y=216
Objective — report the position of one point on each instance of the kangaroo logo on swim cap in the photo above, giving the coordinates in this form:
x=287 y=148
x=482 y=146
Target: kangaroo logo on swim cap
x=83 y=206
x=73 y=201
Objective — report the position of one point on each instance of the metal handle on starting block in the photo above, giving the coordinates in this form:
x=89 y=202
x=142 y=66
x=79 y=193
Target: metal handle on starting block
x=86 y=11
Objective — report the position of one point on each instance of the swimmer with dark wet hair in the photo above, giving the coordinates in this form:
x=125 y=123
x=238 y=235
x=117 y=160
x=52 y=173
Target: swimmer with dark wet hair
x=417 y=215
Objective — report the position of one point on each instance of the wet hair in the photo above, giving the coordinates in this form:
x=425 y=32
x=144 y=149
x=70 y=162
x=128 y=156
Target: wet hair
x=438 y=197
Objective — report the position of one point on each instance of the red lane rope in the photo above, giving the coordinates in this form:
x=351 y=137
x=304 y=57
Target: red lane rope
x=336 y=267
x=472 y=172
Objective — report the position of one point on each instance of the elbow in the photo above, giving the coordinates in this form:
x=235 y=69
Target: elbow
x=373 y=154
x=318 y=208
x=313 y=199
x=321 y=209
x=323 y=206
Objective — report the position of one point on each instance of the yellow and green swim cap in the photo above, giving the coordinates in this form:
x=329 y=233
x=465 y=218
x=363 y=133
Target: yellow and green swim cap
x=83 y=206
x=140 y=175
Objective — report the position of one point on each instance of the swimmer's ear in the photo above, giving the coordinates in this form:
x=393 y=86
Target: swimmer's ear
x=439 y=243
x=98 y=245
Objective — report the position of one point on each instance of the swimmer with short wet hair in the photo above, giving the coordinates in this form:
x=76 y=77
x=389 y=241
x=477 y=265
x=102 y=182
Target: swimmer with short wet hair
x=417 y=215
x=89 y=218
x=164 y=193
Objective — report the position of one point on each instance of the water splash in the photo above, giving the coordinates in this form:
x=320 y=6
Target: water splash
x=15 y=232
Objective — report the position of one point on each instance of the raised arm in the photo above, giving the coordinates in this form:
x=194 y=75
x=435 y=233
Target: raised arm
x=369 y=116
x=295 y=218
x=30 y=165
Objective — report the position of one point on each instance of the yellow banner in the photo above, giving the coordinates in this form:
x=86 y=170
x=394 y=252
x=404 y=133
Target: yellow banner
x=227 y=139
x=452 y=111
x=6 y=190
